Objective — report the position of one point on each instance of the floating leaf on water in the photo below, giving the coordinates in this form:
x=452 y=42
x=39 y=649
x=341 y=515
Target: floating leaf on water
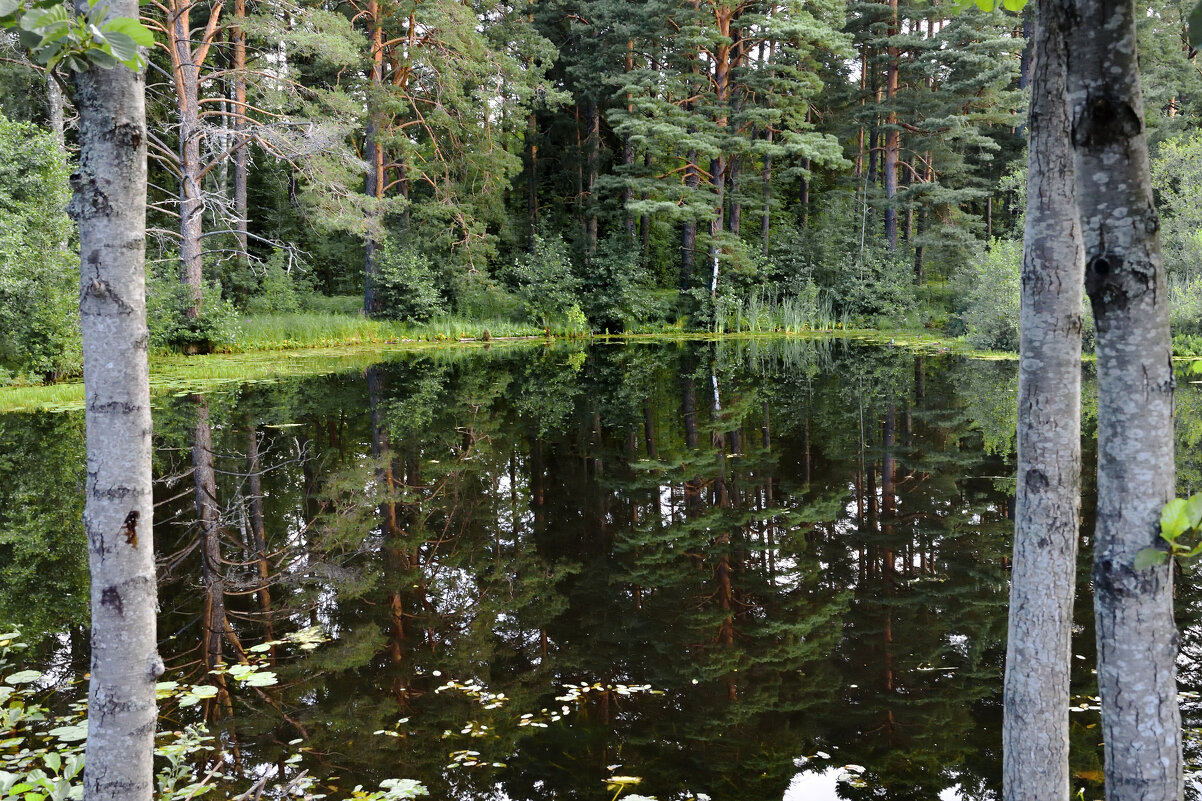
x=71 y=734
x=24 y=677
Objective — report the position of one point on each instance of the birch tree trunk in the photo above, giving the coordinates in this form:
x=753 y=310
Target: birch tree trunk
x=1035 y=734
x=110 y=207
x=1137 y=639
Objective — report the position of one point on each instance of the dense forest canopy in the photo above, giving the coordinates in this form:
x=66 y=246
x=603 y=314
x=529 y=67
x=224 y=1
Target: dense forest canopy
x=576 y=165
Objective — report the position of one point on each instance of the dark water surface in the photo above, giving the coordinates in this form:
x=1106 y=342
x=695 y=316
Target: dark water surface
x=741 y=570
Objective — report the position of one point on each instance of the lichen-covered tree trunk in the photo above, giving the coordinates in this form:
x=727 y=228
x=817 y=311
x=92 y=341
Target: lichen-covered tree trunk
x=110 y=207
x=1047 y=518
x=1136 y=635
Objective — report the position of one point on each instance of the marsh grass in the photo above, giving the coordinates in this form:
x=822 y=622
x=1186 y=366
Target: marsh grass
x=765 y=311
x=180 y=375
x=326 y=329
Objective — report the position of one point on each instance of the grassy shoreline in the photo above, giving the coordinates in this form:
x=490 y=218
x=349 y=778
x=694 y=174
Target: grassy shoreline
x=276 y=347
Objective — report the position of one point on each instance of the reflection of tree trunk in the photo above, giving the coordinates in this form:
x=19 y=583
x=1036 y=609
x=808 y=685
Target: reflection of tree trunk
x=722 y=572
x=258 y=532
x=208 y=517
x=649 y=430
x=888 y=478
x=395 y=559
x=692 y=487
x=215 y=622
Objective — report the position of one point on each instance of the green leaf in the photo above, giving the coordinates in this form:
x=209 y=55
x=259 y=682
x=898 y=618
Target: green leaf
x=71 y=734
x=135 y=30
x=1014 y=5
x=121 y=46
x=1195 y=26
x=204 y=690
x=24 y=677
x=985 y=5
x=1150 y=557
x=1174 y=519
x=9 y=6
x=241 y=671
x=262 y=679
x=53 y=761
x=1194 y=510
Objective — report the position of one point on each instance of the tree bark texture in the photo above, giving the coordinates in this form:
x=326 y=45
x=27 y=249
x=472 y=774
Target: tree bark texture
x=1137 y=640
x=593 y=164
x=1035 y=735
x=110 y=207
x=374 y=185
x=241 y=157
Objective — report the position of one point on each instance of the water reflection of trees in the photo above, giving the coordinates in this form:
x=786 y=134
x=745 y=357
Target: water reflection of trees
x=803 y=546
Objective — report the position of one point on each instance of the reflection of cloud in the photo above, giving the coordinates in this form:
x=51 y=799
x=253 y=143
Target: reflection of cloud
x=811 y=786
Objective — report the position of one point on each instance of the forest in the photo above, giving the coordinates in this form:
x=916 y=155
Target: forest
x=569 y=166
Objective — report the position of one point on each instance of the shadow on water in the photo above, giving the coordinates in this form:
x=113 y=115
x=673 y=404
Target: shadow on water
x=742 y=570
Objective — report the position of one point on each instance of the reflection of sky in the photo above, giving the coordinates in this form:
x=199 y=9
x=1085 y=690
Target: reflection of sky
x=811 y=786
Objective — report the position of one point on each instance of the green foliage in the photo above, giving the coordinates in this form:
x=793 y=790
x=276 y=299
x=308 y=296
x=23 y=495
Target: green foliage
x=617 y=288
x=1181 y=528
x=1176 y=174
x=43 y=735
x=277 y=291
x=56 y=37
x=171 y=328
x=1185 y=304
x=546 y=282
x=877 y=292
x=990 y=287
x=405 y=282
x=39 y=277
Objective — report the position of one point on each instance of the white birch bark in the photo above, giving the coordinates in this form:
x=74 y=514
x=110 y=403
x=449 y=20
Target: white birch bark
x=1035 y=734
x=1136 y=635
x=109 y=205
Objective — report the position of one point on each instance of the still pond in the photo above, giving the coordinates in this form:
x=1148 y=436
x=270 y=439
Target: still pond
x=741 y=570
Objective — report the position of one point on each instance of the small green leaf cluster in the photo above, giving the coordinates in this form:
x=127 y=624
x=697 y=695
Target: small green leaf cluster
x=1181 y=528
x=42 y=754
x=56 y=37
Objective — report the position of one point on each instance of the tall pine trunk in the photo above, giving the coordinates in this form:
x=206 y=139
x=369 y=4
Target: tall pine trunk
x=592 y=163
x=374 y=185
x=892 y=138
x=110 y=207
x=241 y=160
x=1133 y=608
x=191 y=202
x=1035 y=734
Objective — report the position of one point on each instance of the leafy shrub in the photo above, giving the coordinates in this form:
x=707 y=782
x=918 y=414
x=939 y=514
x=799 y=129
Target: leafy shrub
x=878 y=292
x=1185 y=305
x=405 y=285
x=617 y=289
x=991 y=289
x=546 y=283
x=331 y=304
x=1176 y=171
x=277 y=291
x=167 y=303
x=39 y=276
